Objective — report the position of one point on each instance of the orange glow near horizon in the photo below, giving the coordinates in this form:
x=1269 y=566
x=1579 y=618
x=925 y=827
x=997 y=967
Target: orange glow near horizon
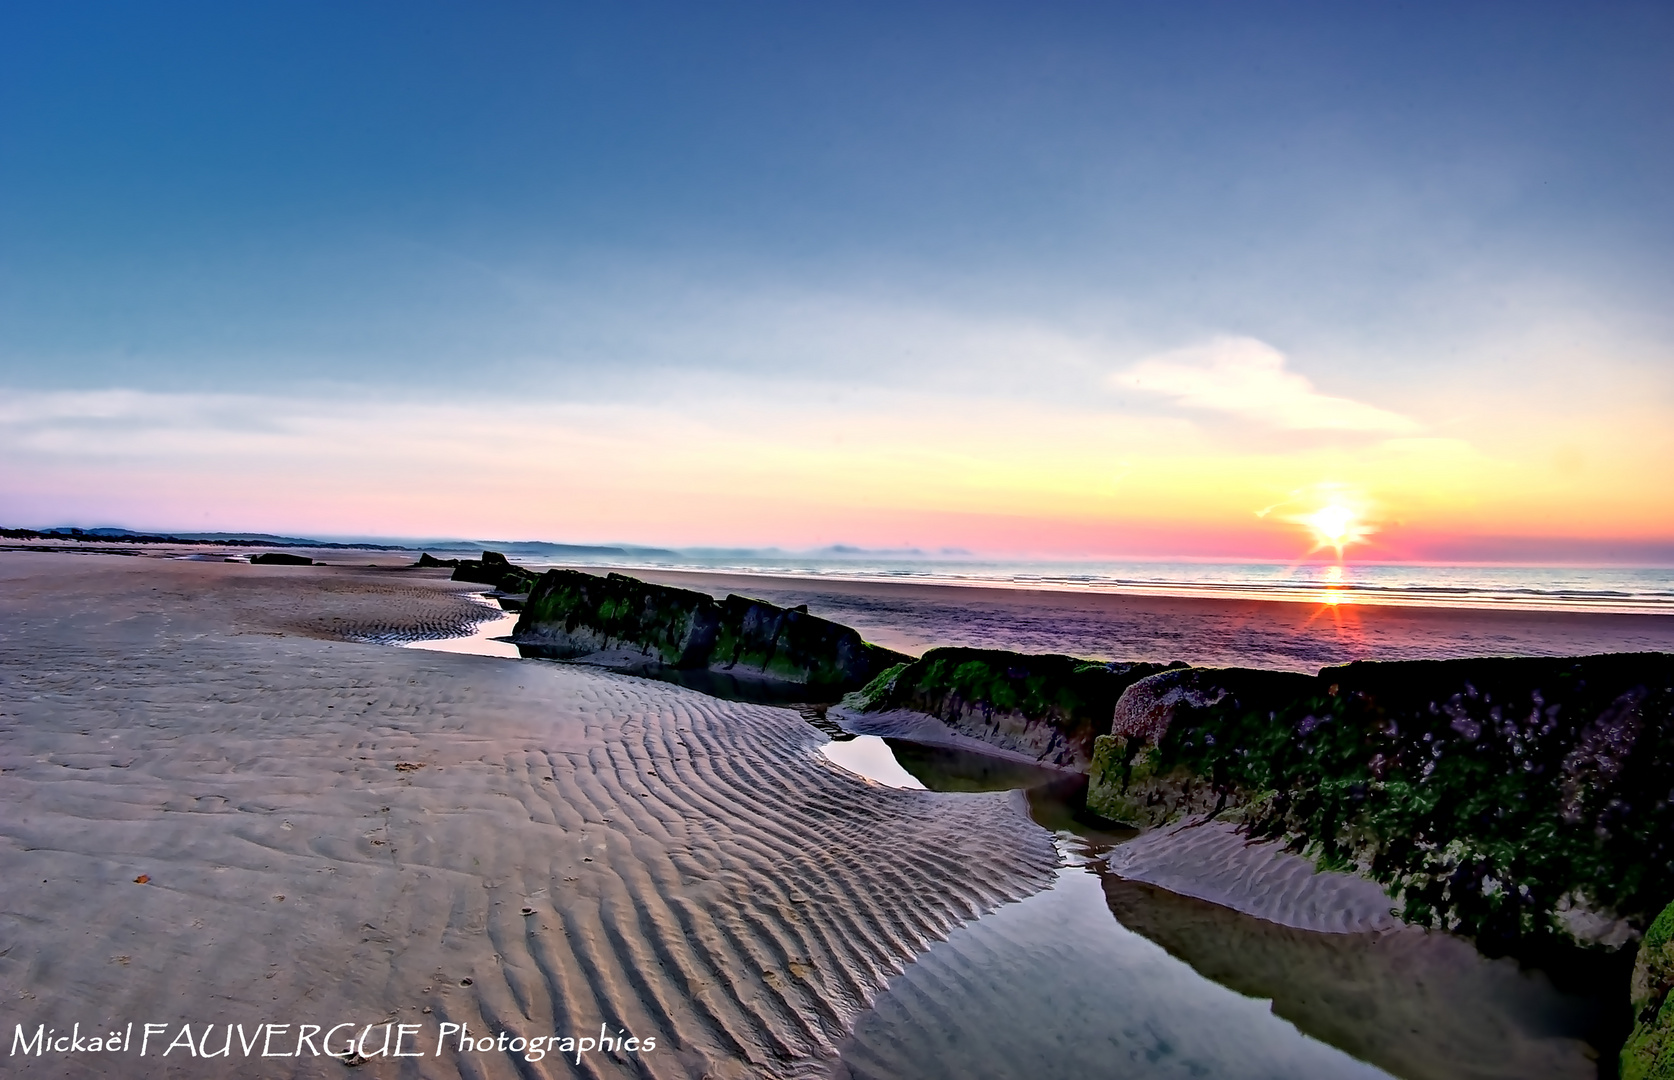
x=995 y=480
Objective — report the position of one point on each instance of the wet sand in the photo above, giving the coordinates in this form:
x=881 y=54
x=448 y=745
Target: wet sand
x=1213 y=861
x=1254 y=633
x=1419 y=1004
x=1104 y=975
x=1054 y=988
x=336 y=831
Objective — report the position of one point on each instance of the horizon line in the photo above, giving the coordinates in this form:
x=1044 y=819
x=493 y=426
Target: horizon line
x=941 y=554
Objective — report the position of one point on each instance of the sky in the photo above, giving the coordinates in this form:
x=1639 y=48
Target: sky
x=1105 y=279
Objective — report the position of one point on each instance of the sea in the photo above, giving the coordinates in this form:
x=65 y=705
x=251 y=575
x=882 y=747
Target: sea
x=1608 y=589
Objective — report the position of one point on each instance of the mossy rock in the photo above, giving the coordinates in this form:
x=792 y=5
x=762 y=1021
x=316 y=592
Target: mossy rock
x=1502 y=798
x=573 y=614
x=583 y=613
x=1067 y=688
x=869 y=698
x=1107 y=779
x=1649 y=1052
x=1049 y=706
x=1129 y=784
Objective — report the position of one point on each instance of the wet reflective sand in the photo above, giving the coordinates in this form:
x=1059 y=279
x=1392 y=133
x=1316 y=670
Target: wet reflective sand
x=1055 y=987
x=1100 y=976
x=1416 y=1003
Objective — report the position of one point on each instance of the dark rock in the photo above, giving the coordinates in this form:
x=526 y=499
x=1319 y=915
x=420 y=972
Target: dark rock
x=281 y=558
x=569 y=613
x=1147 y=708
x=1047 y=706
x=430 y=561
x=493 y=569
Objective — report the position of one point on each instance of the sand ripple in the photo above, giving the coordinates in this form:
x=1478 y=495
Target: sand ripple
x=338 y=831
x=1212 y=860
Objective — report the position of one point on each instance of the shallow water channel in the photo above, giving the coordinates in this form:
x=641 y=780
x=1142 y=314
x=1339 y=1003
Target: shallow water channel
x=490 y=637
x=1101 y=976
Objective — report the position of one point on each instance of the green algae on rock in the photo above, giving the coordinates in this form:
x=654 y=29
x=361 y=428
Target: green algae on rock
x=636 y=623
x=1047 y=706
x=1506 y=799
x=1129 y=779
x=1649 y=1052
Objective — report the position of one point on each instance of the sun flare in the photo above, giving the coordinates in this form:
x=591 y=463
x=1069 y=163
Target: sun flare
x=1336 y=526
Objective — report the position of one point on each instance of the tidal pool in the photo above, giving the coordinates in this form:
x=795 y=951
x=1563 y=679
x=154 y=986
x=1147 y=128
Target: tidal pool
x=870 y=757
x=490 y=637
x=1101 y=976
x=1055 y=987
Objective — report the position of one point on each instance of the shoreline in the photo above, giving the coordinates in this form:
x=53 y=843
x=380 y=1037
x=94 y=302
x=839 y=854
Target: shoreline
x=1347 y=594
x=912 y=616
x=1276 y=634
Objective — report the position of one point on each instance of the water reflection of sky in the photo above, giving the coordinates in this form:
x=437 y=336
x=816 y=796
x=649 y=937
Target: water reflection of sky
x=483 y=640
x=869 y=757
x=1055 y=987
x=1099 y=976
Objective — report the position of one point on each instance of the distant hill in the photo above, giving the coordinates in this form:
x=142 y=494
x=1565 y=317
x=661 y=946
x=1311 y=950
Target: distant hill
x=538 y=549
x=129 y=536
x=205 y=537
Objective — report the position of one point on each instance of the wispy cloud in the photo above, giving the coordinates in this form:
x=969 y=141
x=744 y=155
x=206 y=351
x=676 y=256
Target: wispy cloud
x=1248 y=378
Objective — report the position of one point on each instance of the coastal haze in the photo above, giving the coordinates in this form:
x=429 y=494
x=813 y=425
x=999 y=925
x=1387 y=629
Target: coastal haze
x=882 y=542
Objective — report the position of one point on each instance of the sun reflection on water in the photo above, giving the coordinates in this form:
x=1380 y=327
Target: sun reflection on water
x=1336 y=599
x=1333 y=586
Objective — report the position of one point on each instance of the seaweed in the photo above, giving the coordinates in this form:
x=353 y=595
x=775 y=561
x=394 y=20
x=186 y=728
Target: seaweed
x=573 y=613
x=1066 y=689
x=1501 y=798
x=1649 y=1051
x=1005 y=697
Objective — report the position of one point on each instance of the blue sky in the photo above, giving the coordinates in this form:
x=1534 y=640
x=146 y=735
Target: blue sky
x=1452 y=214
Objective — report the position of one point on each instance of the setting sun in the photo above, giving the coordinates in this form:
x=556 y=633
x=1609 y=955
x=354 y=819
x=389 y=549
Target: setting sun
x=1335 y=526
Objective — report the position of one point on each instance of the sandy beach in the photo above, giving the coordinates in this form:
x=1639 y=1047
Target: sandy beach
x=222 y=811
x=234 y=803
